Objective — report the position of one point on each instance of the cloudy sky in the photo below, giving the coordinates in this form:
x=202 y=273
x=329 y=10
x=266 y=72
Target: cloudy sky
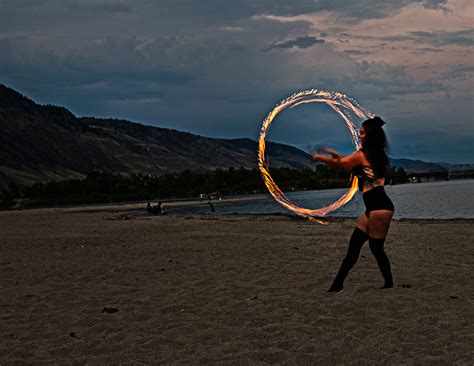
x=217 y=67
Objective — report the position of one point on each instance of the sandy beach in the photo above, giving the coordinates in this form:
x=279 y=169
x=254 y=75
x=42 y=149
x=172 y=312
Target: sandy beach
x=117 y=286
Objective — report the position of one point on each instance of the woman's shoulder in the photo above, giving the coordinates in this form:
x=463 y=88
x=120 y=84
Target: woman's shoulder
x=363 y=158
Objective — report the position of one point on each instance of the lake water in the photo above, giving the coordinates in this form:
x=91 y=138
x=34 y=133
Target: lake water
x=438 y=200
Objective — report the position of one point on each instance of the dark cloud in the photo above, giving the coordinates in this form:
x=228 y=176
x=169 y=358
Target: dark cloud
x=436 y=38
x=436 y=4
x=300 y=42
x=428 y=49
x=460 y=38
x=175 y=15
x=459 y=72
x=101 y=6
x=431 y=143
x=198 y=66
x=358 y=52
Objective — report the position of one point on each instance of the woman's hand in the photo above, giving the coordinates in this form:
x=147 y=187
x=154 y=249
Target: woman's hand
x=318 y=157
x=329 y=151
x=324 y=150
x=335 y=159
x=331 y=159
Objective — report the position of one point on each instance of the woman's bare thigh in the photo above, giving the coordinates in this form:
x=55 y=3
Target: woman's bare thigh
x=379 y=223
x=363 y=223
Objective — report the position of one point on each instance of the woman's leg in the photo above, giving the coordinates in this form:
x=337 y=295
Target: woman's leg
x=358 y=238
x=379 y=223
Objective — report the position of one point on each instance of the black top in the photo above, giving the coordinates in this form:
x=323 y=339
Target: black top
x=366 y=175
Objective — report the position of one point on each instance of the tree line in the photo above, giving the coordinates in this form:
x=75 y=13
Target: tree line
x=100 y=187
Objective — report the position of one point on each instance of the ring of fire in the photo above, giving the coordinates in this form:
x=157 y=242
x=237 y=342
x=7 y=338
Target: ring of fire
x=341 y=104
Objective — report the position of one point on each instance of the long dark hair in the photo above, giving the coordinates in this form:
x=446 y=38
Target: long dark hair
x=375 y=145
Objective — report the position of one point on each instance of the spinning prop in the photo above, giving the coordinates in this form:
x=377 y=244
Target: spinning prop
x=341 y=104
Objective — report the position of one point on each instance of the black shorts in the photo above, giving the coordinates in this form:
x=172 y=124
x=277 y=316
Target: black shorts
x=377 y=199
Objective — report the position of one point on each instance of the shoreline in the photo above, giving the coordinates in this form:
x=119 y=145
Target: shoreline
x=137 y=204
x=133 y=209
x=229 y=197
x=443 y=202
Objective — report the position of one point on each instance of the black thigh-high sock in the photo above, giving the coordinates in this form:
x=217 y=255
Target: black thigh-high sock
x=356 y=242
x=376 y=246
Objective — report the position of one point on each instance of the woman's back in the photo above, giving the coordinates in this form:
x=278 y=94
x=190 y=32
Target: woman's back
x=368 y=178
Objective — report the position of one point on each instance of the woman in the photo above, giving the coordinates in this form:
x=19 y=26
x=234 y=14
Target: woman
x=369 y=164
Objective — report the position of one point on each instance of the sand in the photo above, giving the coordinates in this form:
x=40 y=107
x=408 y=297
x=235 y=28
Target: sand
x=116 y=286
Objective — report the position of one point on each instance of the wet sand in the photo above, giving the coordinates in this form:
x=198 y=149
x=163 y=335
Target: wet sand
x=108 y=286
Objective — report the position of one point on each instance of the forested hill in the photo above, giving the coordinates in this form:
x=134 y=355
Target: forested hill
x=40 y=143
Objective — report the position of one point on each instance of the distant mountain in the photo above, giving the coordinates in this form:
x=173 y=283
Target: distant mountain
x=417 y=166
x=40 y=143
x=459 y=167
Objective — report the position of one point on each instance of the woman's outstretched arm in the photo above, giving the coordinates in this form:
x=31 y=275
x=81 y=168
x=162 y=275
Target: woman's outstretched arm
x=344 y=162
x=331 y=152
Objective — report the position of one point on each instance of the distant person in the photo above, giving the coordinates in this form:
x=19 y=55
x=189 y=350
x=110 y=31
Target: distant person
x=156 y=210
x=369 y=164
x=161 y=209
x=212 y=206
x=150 y=208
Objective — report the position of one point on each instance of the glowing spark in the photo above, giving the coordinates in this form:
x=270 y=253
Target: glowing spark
x=341 y=104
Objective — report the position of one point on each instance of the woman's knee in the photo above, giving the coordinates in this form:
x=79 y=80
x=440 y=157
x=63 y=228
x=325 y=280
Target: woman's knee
x=376 y=248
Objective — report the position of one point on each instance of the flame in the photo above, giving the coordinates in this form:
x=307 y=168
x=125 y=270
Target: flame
x=342 y=105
